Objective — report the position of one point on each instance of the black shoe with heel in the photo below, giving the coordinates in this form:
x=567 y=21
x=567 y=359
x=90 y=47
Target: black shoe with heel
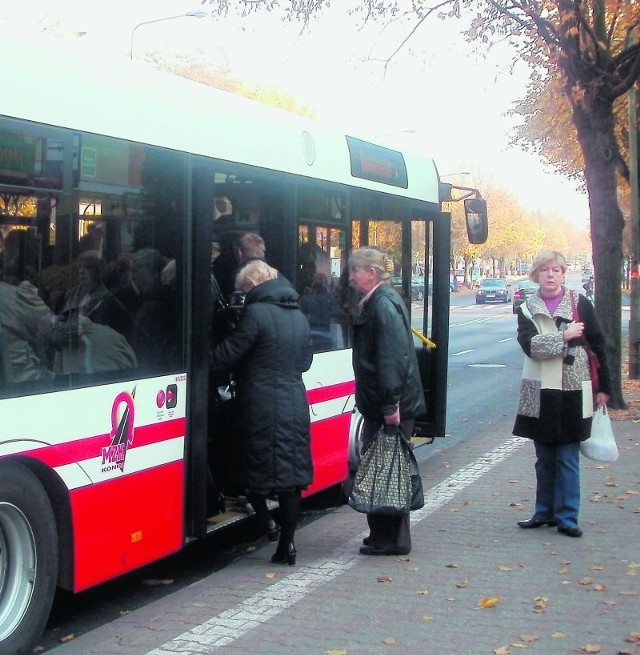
x=273 y=531
x=286 y=555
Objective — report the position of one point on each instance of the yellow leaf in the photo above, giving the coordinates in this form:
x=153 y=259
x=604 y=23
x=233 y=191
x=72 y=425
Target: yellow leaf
x=505 y=568
x=66 y=638
x=558 y=635
x=517 y=644
x=633 y=565
x=488 y=601
x=600 y=587
x=412 y=568
x=597 y=567
x=389 y=641
x=563 y=570
x=427 y=617
x=335 y=652
x=271 y=575
x=503 y=650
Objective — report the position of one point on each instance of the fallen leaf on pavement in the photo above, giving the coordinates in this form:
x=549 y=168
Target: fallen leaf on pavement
x=463 y=584
x=528 y=639
x=422 y=592
x=558 y=635
x=503 y=650
x=389 y=641
x=506 y=569
x=452 y=566
x=600 y=587
x=584 y=581
x=384 y=578
x=66 y=638
x=271 y=575
x=335 y=652
x=427 y=617
x=590 y=648
x=633 y=638
x=488 y=601
x=541 y=604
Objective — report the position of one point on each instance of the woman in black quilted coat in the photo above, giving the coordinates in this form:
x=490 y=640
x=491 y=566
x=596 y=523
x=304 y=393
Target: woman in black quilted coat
x=268 y=352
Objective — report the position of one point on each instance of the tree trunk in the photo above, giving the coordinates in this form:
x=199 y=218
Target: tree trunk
x=594 y=121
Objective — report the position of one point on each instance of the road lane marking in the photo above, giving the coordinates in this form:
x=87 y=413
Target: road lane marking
x=507 y=339
x=462 y=352
x=226 y=627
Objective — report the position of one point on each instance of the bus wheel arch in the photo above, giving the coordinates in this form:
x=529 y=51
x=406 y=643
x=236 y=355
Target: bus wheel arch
x=28 y=558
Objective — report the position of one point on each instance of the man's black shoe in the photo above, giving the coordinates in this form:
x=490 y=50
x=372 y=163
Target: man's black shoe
x=534 y=523
x=570 y=530
x=374 y=550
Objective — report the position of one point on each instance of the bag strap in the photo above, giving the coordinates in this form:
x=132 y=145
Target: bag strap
x=576 y=317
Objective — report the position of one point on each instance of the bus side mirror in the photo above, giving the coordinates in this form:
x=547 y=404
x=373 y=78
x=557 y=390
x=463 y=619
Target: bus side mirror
x=475 y=214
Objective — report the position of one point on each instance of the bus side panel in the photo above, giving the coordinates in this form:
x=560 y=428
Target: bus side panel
x=126 y=523
x=330 y=452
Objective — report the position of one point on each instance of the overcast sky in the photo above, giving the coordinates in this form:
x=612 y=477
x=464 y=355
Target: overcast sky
x=438 y=96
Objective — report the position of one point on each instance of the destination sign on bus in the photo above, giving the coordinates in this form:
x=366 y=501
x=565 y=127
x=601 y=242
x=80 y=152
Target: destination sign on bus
x=377 y=163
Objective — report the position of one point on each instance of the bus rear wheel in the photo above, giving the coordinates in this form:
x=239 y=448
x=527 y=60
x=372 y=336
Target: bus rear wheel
x=28 y=559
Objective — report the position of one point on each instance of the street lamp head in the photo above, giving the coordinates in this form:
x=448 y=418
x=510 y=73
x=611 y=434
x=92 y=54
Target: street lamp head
x=192 y=13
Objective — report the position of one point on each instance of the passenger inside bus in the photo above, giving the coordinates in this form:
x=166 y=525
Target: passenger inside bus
x=24 y=317
x=319 y=298
x=88 y=334
x=150 y=306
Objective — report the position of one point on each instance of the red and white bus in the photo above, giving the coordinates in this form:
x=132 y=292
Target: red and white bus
x=119 y=186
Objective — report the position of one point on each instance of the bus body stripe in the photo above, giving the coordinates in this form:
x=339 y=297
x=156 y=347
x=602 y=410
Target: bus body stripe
x=330 y=392
x=58 y=455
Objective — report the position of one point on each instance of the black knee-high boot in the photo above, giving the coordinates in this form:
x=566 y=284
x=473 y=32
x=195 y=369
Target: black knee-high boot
x=289 y=502
x=259 y=504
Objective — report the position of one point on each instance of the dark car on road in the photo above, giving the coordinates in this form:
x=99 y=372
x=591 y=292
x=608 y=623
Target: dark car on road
x=417 y=287
x=524 y=289
x=493 y=289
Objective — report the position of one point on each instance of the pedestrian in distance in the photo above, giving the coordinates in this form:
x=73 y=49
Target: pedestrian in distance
x=267 y=352
x=388 y=388
x=555 y=407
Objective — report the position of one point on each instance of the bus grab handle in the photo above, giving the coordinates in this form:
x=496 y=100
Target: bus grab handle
x=425 y=340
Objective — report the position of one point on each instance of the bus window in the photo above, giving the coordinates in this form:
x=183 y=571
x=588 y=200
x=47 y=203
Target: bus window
x=245 y=204
x=94 y=290
x=321 y=263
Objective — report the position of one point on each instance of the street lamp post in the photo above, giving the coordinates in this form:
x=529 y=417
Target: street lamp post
x=195 y=14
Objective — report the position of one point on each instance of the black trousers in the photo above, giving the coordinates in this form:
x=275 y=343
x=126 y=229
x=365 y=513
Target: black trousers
x=388 y=532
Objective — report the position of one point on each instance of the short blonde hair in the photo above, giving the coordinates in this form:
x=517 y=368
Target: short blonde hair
x=372 y=258
x=543 y=258
x=255 y=272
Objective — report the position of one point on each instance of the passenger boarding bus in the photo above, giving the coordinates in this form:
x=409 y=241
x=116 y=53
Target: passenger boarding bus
x=120 y=189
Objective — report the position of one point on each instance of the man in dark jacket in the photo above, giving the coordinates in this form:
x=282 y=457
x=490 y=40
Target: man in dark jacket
x=388 y=387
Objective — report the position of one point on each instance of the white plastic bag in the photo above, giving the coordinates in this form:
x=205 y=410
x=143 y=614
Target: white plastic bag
x=601 y=444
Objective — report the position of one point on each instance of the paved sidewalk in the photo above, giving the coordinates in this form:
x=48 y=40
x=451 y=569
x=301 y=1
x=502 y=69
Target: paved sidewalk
x=544 y=593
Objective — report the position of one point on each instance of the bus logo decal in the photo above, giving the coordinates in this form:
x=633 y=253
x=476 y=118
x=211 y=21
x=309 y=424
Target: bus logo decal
x=114 y=455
